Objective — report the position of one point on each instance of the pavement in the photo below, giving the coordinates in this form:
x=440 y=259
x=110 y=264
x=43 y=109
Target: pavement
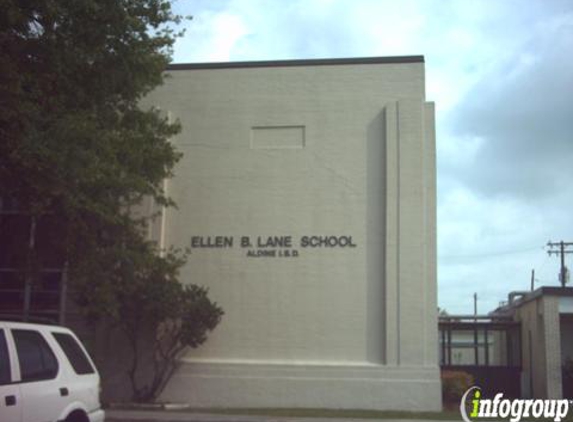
x=119 y=415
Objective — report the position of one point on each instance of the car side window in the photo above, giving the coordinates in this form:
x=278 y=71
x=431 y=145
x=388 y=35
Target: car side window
x=74 y=353
x=5 y=377
x=37 y=361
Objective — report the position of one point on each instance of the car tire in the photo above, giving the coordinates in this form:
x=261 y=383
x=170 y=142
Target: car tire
x=77 y=416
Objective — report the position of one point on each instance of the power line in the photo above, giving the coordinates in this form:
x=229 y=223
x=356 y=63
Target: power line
x=487 y=254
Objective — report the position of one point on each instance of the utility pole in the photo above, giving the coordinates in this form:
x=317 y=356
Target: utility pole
x=532 y=279
x=561 y=249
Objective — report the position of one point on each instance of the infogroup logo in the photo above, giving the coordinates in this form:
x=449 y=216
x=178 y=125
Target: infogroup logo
x=514 y=409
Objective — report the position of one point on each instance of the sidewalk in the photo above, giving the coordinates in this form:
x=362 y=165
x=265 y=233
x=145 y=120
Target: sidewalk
x=117 y=415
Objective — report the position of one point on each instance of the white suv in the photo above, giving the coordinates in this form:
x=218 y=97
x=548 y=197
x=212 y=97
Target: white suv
x=46 y=376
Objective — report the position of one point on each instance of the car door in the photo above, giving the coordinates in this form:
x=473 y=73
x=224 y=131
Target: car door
x=83 y=383
x=39 y=370
x=10 y=400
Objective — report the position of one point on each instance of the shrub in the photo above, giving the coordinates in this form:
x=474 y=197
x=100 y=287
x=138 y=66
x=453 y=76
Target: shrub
x=455 y=384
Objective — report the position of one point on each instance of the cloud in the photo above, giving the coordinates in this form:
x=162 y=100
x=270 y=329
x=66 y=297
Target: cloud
x=522 y=110
x=505 y=149
x=501 y=75
x=210 y=36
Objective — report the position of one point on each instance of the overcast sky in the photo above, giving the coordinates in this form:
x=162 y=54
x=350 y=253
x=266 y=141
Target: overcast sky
x=501 y=75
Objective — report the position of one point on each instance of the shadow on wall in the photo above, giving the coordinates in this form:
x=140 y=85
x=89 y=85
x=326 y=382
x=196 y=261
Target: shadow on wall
x=111 y=351
x=376 y=237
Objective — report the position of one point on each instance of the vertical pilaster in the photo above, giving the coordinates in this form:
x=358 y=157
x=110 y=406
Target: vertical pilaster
x=430 y=263
x=410 y=255
x=391 y=274
x=411 y=250
x=375 y=240
x=552 y=342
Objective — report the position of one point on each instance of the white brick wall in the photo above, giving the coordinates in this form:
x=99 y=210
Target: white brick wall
x=343 y=150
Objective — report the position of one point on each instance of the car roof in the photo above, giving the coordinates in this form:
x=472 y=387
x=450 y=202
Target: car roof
x=35 y=326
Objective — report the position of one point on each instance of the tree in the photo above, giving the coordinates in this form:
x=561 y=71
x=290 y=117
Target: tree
x=76 y=144
x=156 y=313
x=74 y=139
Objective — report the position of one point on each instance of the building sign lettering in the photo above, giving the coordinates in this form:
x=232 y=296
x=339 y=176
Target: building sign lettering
x=272 y=246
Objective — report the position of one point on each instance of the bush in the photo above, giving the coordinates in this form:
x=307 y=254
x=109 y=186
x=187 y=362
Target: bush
x=158 y=315
x=455 y=384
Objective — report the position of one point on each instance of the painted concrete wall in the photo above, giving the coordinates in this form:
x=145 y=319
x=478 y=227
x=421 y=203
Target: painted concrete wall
x=307 y=196
x=541 y=353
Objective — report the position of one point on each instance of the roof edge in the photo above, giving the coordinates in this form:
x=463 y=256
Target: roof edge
x=537 y=293
x=293 y=63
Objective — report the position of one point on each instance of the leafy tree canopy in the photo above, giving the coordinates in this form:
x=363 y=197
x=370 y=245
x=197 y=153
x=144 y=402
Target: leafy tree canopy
x=74 y=140
x=76 y=144
x=72 y=73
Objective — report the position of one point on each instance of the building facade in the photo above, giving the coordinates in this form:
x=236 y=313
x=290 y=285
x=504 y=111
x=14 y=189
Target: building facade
x=523 y=349
x=546 y=319
x=306 y=195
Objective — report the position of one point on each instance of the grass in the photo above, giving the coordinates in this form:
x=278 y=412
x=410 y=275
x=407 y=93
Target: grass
x=451 y=414
x=329 y=413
